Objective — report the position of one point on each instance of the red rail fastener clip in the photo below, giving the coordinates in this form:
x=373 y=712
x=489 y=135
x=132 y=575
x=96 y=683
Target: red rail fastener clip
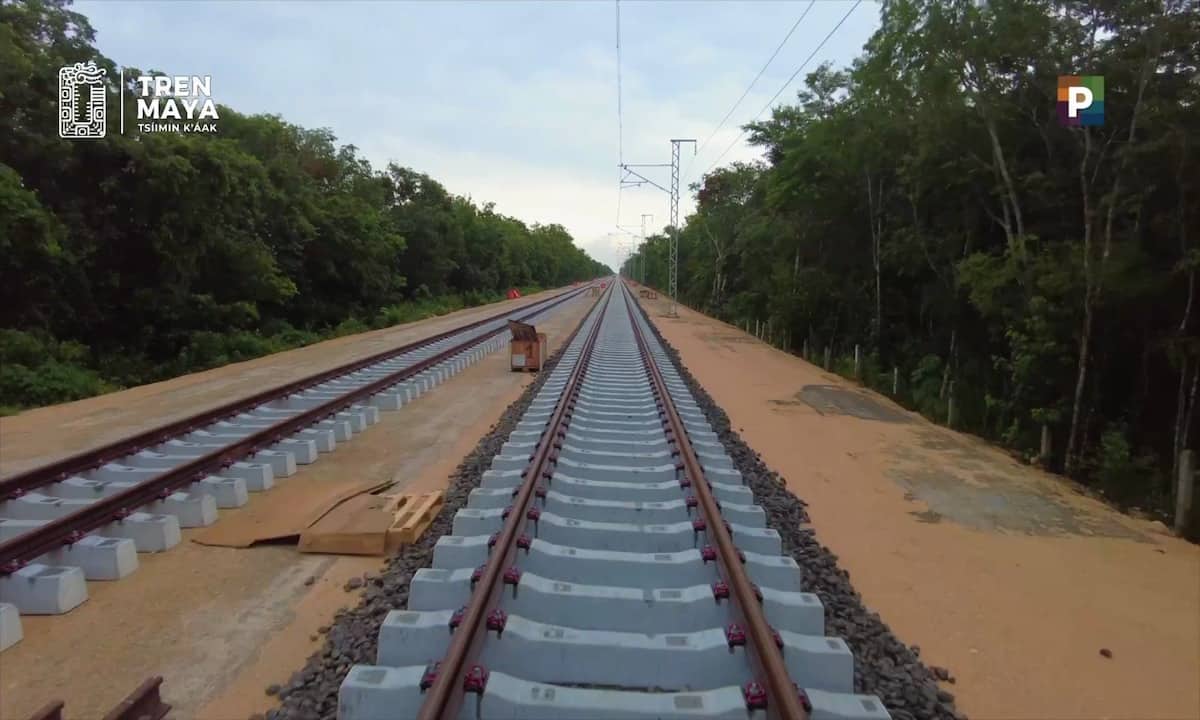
x=476 y=679
x=698 y=524
x=757 y=592
x=805 y=702
x=507 y=511
x=11 y=567
x=735 y=636
x=691 y=501
x=778 y=638
x=512 y=576
x=679 y=466
x=685 y=482
x=496 y=620
x=477 y=575
x=523 y=542
x=74 y=537
x=741 y=556
x=533 y=513
x=756 y=696
x=720 y=590
x=430 y=674
x=492 y=540
x=539 y=491
x=708 y=553
x=457 y=618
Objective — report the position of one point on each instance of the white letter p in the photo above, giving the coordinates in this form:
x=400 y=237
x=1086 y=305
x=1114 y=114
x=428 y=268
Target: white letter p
x=1078 y=98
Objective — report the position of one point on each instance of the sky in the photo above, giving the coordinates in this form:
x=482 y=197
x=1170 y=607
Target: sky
x=507 y=102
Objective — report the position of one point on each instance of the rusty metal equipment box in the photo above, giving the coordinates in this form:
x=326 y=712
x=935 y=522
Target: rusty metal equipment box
x=527 y=351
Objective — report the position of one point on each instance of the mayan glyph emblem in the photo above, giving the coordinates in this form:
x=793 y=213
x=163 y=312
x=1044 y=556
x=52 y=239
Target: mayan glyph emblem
x=82 y=101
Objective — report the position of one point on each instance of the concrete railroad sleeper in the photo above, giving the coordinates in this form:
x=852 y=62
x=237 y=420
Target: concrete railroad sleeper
x=611 y=565
x=87 y=517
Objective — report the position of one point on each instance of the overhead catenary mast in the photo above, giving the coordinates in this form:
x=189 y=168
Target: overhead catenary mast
x=632 y=178
x=642 y=256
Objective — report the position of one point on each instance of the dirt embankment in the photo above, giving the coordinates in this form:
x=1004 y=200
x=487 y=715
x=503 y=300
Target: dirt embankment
x=1043 y=603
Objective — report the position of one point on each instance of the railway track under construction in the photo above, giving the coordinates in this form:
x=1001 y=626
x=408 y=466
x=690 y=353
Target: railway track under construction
x=611 y=565
x=88 y=516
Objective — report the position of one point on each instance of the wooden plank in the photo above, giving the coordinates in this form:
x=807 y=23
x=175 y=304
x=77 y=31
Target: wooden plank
x=358 y=526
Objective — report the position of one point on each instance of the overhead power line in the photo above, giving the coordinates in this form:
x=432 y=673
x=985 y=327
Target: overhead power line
x=804 y=64
x=620 y=119
x=756 y=77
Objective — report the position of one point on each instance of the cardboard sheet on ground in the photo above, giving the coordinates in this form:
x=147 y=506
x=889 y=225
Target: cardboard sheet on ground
x=358 y=526
x=294 y=505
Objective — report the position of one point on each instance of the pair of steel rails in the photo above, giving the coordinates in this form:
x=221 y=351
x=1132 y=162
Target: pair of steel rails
x=459 y=673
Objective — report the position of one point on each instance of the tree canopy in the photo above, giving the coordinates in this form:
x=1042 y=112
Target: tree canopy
x=927 y=205
x=143 y=255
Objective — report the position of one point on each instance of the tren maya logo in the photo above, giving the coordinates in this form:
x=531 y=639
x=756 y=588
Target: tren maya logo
x=1080 y=100
x=163 y=103
x=82 y=101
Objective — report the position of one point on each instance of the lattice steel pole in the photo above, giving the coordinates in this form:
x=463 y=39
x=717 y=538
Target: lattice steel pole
x=674 y=262
x=642 y=254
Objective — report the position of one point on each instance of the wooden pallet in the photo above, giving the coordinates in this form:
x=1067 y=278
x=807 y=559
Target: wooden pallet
x=411 y=516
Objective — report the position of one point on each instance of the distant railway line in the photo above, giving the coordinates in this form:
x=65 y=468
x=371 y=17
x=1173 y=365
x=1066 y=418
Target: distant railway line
x=87 y=516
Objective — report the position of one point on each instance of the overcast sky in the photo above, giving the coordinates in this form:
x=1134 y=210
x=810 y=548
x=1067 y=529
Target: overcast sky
x=509 y=102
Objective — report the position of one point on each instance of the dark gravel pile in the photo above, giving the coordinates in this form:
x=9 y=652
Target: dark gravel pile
x=311 y=693
x=884 y=665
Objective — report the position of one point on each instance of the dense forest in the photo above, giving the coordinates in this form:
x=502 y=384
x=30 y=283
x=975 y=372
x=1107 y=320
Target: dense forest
x=1028 y=282
x=142 y=256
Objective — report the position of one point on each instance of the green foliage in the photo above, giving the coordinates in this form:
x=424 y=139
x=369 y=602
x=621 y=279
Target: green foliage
x=158 y=254
x=926 y=387
x=36 y=370
x=1122 y=475
x=926 y=204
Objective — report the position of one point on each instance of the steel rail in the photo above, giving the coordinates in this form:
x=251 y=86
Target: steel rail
x=19 y=483
x=144 y=703
x=782 y=696
x=19 y=551
x=445 y=695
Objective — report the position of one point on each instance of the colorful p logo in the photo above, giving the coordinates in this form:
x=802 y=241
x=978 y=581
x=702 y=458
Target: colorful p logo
x=1080 y=100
